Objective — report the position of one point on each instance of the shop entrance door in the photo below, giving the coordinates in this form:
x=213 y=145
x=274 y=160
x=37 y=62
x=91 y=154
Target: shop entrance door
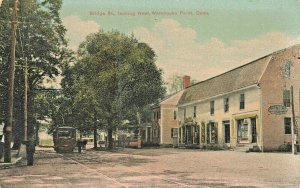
x=253 y=129
x=189 y=135
x=226 y=131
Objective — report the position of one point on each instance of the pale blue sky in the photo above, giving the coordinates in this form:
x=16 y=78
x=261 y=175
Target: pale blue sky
x=233 y=33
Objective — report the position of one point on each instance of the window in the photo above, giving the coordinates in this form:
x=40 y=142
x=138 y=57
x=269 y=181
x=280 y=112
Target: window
x=286 y=98
x=155 y=132
x=158 y=114
x=212 y=107
x=175 y=115
x=154 y=115
x=212 y=133
x=287 y=126
x=226 y=104
x=287 y=69
x=184 y=113
x=174 y=132
x=195 y=111
x=242 y=101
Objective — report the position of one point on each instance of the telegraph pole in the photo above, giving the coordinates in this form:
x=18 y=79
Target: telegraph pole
x=9 y=121
x=25 y=100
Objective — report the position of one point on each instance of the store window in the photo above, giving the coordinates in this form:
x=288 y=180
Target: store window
x=174 y=132
x=212 y=133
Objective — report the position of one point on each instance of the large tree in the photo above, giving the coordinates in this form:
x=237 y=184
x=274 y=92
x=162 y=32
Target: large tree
x=117 y=77
x=40 y=42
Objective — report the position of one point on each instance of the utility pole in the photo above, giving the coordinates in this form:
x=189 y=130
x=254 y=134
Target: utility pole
x=9 y=121
x=294 y=151
x=25 y=101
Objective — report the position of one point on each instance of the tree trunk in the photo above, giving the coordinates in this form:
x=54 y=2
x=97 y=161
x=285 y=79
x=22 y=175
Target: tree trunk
x=95 y=135
x=18 y=131
x=110 y=139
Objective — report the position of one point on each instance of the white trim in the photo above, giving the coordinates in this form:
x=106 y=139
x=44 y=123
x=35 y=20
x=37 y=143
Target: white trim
x=161 y=126
x=216 y=96
x=261 y=123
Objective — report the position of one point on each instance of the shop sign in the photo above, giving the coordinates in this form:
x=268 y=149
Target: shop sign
x=277 y=109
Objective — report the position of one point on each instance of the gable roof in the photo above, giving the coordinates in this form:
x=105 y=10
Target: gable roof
x=173 y=99
x=234 y=79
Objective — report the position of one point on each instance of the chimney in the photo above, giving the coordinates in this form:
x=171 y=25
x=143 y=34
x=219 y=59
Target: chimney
x=186 y=81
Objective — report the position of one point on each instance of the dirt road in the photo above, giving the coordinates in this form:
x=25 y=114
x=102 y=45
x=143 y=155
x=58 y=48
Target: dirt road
x=155 y=168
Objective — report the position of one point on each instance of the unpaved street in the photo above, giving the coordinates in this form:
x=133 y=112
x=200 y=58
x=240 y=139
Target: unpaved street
x=155 y=168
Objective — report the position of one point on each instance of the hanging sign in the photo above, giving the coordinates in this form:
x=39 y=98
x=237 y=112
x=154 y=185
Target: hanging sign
x=277 y=109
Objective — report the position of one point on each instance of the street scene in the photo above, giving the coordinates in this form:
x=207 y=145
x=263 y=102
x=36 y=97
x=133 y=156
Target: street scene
x=165 y=167
x=149 y=93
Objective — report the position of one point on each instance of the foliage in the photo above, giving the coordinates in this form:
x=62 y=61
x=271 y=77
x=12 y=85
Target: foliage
x=175 y=83
x=40 y=41
x=115 y=76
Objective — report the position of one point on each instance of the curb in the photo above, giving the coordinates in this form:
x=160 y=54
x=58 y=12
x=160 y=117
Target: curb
x=12 y=163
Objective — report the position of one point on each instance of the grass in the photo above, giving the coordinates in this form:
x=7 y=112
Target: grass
x=48 y=142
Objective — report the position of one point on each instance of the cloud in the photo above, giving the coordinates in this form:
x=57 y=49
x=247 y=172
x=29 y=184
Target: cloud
x=179 y=52
x=78 y=29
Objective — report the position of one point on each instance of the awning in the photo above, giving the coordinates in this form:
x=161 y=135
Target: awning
x=245 y=116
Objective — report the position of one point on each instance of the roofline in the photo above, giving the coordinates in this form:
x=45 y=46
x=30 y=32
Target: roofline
x=270 y=54
x=222 y=94
x=158 y=105
x=229 y=71
x=171 y=95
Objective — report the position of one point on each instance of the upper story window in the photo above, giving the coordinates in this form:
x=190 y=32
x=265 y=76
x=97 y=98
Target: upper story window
x=154 y=115
x=287 y=126
x=195 y=111
x=287 y=69
x=226 y=104
x=287 y=98
x=212 y=107
x=184 y=113
x=175 y=115
x=242 y=101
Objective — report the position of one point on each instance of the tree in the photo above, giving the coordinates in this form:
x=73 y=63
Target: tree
x=175 y=83
x=116 y=75
x=40 y=42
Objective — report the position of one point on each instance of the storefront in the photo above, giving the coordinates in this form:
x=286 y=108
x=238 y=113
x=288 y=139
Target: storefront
x=246 y=129
x=189 y=133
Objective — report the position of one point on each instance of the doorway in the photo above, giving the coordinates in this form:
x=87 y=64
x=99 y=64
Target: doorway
x=253 y=129
x=226 y=125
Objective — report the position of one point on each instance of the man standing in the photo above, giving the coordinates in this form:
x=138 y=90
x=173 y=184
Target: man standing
x=1 y=139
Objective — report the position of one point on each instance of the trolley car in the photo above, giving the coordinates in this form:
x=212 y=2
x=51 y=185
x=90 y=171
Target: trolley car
x=64 y=139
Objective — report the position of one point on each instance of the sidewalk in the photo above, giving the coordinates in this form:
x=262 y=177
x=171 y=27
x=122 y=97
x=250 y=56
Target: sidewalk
x=16 y=156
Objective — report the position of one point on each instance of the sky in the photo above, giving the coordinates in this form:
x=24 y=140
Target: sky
x=199 y=38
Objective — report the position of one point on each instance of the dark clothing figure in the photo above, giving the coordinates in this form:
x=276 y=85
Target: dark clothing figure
x=30 y=150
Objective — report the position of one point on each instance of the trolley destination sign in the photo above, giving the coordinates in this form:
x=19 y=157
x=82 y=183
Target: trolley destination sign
x=277 y=109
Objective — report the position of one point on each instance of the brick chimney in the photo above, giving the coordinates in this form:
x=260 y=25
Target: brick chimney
x=186 y=81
